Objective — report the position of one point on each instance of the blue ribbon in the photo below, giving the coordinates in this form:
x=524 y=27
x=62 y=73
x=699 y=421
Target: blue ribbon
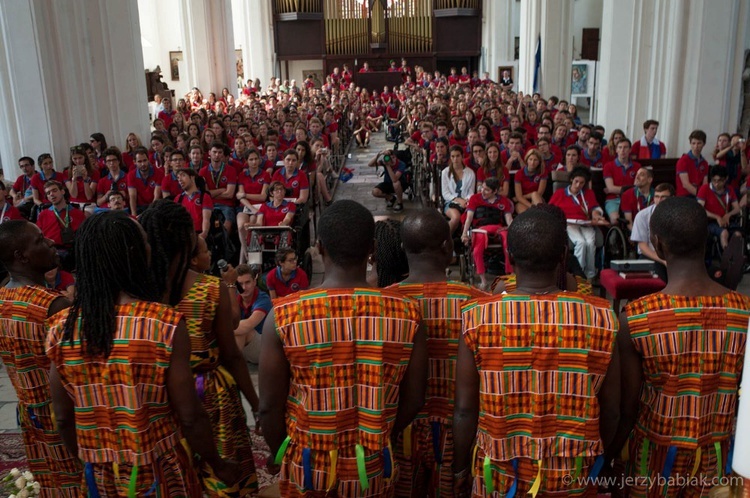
x=91 y=481
x=34 y=418
x=307 y=467
x=152 y=489
x=514 y=486
x=598 y=464
x=669 y=462
x=728 y=469
x=387 y=470
x=436 y=442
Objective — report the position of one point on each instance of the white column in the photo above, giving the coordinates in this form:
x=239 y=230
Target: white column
x=209 y=44
x=257 y=40
x=497 y=36
x=68 y=70
x=677 y=62
x=552 y=20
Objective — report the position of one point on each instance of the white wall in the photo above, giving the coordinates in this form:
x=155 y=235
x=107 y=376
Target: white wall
x=586 y=14
x=162 y=30
x=296 y=68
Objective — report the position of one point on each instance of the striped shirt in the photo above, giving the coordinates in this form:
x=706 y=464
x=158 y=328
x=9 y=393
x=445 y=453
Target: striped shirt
x=348 y=350
x=122 y=411
x=541 y=362
x=692 y=350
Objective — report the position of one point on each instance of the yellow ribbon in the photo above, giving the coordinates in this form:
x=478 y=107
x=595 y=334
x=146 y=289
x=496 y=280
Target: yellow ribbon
x=407 y=441
x=697 y=463
x=334 y=454
x=474 y=460
x=537 y=481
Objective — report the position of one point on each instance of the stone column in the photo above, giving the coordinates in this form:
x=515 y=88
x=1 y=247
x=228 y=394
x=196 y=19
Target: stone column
x=257 y=41
x=553 y=21
x=209 y=44
x=68 y=69
x=677 y=62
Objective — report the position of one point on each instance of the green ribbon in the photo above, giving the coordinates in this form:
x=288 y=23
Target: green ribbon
x=132 y=486
x=361 y=469
x=282 y=450
x=719 y=466
x=487 y=469
x=644 y=457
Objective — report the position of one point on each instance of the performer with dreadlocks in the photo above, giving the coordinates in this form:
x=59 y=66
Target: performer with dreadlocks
x=120 y=374
x=25 y=304
x=218 y=365
x=540 y=366
x=425 y=452
x=343 y=368
x=389 y=260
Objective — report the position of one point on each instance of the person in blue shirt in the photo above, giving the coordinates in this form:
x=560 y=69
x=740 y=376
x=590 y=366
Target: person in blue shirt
x=254 y=305
x=392 y=187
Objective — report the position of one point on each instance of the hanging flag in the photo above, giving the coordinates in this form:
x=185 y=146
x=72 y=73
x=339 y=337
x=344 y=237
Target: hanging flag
x=537 y=63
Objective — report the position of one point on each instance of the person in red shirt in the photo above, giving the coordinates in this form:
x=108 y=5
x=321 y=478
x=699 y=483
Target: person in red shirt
x=392 y=68
x=721 y=205
x=692 y=168
x=649 y=147
x=82 y=180
x=62 y=281
x=278 y=211
x=287 y=139
x=196 y=200
x=46 y=174
x=144 y=183
x=530 y=182
x=641 y=196
x=221 y=183
x=116 y=179
x=582 y=212
x=21 y=193
x=157 y=157
x=618 y=174
x=490 y=213
x=60 y=221
x=294 y=180
x=7 y=210
x=170 y=186
x=591 y=156
x=287 y=278
x=167 y=113
x=493 y=168
x=512 y=157
x=252 y=191
x=365 y=68
x=453 y=78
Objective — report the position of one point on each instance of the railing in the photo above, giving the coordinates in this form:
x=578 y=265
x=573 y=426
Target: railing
x=296 y=6
x=457 y=4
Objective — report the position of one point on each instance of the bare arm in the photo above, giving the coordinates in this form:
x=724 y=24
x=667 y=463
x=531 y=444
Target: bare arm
x=133 y=194
x=650 y=253
x=609 y=400
x=466 y=411
x=685 y=181
x=610 y=187
x=631 y=378
x=228 y=192
x=412 y=389
x=230 y=355
x=304 y=194
x=64 y=410
x=274 y=376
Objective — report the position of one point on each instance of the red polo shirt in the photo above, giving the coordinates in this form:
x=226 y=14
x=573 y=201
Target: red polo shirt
x=295 y=183
x=51 y=222
x=220 y=178
x=195 y=205
x=620 y=175
x=578 y=208
x=9 y=212
x=501 y=203
x=715 y=203
x=529 y=182
x=170 y=185
x=297 y=281
x=632 y=201
x=253 y=184
x=696 y=169
x=272 y=215
x=105 y=184
x=144 y=186
x=38 y=181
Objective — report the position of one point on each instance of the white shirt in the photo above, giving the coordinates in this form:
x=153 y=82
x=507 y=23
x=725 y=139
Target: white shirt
x=468 y=185
x=641 y=223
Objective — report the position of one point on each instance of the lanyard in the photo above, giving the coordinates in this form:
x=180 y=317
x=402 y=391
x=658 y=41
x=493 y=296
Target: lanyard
x=582 y=202
x=217 y=177
x=2 y=215
x=724 y=203
x=638 y=198
x=65 y=223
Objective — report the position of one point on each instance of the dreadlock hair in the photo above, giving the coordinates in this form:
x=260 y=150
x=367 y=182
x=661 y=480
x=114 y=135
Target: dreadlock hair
x=171 y=233
x=111 y=258
x=392 y=265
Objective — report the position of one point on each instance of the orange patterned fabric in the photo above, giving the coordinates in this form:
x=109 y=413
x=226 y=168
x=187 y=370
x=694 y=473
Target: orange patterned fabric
x=541 y=362
x=348 y=350
x=123 y=414
x=425 y=462
x=23 y=313
x=693 y=354
x=217 y=390
x=584 y=286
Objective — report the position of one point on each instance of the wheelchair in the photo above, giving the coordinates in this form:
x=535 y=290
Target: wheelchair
x=494 y=254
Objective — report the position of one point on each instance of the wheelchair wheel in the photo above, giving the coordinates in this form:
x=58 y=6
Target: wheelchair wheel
x=615 y=245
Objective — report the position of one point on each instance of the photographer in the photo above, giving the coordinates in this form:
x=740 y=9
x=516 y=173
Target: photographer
x=392 y=187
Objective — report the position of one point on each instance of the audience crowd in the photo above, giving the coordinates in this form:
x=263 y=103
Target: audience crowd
x=127 y=357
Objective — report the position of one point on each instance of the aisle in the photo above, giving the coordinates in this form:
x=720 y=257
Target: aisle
x=359 y=188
